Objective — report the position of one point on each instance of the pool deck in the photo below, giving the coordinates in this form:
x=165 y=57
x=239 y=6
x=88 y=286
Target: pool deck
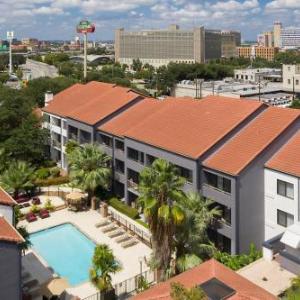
x=85 y=221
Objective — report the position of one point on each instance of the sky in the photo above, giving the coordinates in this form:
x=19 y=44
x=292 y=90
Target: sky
x=57 y=19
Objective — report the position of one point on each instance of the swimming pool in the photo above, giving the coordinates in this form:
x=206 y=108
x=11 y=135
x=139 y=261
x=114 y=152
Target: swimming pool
x=67 y=250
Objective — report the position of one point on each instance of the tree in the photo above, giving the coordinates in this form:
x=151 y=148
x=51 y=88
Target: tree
x=137 y=65
x=89 y=168
x=18 y=176
x=179 y=292
x=104 y=264
x=295 y=104
x=24 y=233
x=191 y=240
x=160 y=189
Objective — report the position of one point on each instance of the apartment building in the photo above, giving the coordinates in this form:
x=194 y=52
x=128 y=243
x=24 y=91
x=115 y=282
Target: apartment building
x=160 y=47
x=10 y=257
x=267 y=53
x=76 y=112
x=219 y=144
x=282 y=178
x=258 y=74
x=291 y=78
x=230 y=40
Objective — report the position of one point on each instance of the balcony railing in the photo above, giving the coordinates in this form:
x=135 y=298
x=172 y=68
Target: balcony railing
x=73 y=136
x=56 y=143
x=133 y=185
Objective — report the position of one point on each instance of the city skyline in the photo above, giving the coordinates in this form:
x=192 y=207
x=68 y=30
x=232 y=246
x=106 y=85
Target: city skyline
x=50 y=17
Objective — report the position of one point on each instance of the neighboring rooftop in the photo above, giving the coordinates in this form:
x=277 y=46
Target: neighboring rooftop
x=8 y=233
x=5 y=198
x=287 y=159
x=90 y=103
x=130 y=118
x=233 y=157
x=190 y=127
x=208 y=275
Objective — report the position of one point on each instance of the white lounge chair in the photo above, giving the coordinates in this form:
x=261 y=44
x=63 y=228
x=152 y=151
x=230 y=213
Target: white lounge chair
x=102 y=223
x=123 y=238
x=129 y=243
x=109 y=228
x=116 y=233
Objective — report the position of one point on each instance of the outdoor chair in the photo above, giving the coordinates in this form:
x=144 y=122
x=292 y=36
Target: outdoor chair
x=129 y=243
x=109 y=228
x=123 y=238
x=102 y=223
x=116 y=233
x=44 y=214
x=36 y=201
x=31 y=217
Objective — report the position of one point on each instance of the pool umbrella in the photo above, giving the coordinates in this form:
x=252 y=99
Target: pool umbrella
x=55 y=286
x=75 y=199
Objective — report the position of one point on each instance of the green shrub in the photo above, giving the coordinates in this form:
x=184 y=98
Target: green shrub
x=35 y=209
x=142 y=223
x=236 y=262
x=123 y=208
x=52 y=181
x=49 y=164
x=42 y=173
x=48 y=205
x=55 y=172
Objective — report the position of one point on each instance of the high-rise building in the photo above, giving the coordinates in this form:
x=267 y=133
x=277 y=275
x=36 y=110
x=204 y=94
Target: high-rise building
x=290 y=38
x=230 y=41
x=160 y=47
x=266 y=39
x=277 y=34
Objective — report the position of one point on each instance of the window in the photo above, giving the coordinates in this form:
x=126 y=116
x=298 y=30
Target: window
x=106 y=140
x=119 y=165
x=284 y=219
x=150 y=159
x=285 y=189
x=297 y=81
x=289 y=81
x=185 y=173
x=119 y=145
x=135 y=155
x=218 y=182
x=46 y=118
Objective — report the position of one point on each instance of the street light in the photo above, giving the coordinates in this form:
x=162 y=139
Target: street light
x=10 y=36
x=85 y=27
x=141 y=265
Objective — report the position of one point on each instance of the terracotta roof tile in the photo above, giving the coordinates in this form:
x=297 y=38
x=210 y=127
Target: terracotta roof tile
x=91 y=102
x=5 y=198
x=190 y=127
x=202 y=273
x=8 y=233
x=130 y=118
x=245 y=146
x=287 y=159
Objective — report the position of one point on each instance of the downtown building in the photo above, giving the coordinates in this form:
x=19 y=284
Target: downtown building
x=219 y=145
x=160 y=47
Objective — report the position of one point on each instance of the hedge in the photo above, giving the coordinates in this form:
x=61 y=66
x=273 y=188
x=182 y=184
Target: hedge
x=142 y=223
x=130 y=212
x=52 y=181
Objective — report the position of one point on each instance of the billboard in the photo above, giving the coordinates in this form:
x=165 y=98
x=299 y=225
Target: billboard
x=85 y=26
x=10 y=35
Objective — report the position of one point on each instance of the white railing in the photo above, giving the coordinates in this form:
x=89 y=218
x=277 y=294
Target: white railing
x=130 y=224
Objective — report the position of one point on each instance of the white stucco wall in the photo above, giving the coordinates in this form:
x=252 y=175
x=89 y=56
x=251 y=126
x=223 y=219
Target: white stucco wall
x=273 y=201
x=7 y=213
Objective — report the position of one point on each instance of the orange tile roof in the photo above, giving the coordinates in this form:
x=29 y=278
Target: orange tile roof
x=202 y=273
x=130 y=118
x=5 y=198
x=245 y=146
x=8 y=233
x=190 y=127
x=91 y=102
x=287 y=159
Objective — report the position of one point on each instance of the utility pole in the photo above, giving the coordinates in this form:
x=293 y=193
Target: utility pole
x=85 y=27
x=293 y=88
x=259 y=87
x=10 y=36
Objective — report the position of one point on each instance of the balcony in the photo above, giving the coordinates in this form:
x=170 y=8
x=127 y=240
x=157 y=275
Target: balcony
x=73 y=136
x=56 y=144
x=216 y=194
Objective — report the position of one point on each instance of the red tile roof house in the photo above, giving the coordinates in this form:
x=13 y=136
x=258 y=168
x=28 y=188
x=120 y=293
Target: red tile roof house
x=78 y=110
x=217 y=281
x=10 y=252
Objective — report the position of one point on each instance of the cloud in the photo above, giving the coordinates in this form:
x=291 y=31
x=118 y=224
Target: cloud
x=283 y=4
x=44 y=10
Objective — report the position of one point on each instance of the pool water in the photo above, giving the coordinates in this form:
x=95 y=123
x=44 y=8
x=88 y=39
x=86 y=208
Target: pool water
x=67 y=250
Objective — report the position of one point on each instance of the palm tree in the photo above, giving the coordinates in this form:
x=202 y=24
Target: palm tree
x=191 y=240
x=18 y=176
x=104 y=264
x=89 y=168
x=24 y=233
x=160 y=189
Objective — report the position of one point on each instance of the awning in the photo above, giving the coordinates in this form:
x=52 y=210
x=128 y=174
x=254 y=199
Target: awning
x=291 y=237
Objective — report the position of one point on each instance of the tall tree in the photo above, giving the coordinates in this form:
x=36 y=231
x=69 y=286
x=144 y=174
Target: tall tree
x=179 y=292
x=18 y=176
x=104 y=264
x=191 y=240
x=160 y=189
x=89 y=168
